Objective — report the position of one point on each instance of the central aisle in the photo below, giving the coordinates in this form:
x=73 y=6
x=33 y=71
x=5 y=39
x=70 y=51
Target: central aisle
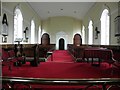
x=61 y=56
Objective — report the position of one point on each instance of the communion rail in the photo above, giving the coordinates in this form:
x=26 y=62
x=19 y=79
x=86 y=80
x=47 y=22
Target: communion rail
x=105 y=83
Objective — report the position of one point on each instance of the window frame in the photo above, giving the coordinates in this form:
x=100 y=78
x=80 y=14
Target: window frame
x=18 y=24
x=90 y=34
x=105 y=34
x=32 y=31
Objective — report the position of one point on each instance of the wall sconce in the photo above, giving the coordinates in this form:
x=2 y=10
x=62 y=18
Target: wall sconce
x=96 y=33
x=25 y=32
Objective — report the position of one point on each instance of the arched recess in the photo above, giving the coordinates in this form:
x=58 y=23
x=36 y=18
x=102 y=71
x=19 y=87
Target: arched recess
x=60 y=35
x=77 y=40
x=45 y=40
x=61 y=44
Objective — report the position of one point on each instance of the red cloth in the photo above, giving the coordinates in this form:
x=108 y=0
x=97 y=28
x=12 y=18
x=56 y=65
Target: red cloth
x=102 y=53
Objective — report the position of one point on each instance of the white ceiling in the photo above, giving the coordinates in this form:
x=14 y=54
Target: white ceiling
x=51 y=9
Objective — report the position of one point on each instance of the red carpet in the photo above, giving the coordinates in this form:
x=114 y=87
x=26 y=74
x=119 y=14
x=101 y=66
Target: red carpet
x=61 y=56
x=60 y=70
x=62 y=66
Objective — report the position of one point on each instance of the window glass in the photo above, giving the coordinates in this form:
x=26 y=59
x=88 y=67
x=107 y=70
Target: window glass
x=18 y=24
x=105 y=27
x=32 y=32
x=90 y=33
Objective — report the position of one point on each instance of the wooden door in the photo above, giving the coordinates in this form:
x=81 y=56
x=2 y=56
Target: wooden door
x=61 y=44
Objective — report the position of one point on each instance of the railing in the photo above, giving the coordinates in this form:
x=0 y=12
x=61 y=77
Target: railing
x=88 y=82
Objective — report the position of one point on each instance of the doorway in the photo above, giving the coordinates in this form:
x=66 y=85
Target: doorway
x=61 y=44
x=60 y=35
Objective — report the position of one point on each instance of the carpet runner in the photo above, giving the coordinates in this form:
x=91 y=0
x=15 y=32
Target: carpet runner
x=61 y=56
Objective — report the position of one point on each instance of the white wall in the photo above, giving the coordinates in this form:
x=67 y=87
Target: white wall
x=94 y=14
x=68 y=25
x=54 y=25
x=28 y=14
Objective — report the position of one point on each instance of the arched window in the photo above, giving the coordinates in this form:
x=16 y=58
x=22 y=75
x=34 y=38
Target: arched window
x=39 y=35
x=45 y=39
x=18 y=24
x=77 y=40
x=83 y=35
x=105 y=27
x=32 y=32
x=90 y=32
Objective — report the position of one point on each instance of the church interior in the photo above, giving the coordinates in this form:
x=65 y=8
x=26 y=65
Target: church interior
x=59 y=45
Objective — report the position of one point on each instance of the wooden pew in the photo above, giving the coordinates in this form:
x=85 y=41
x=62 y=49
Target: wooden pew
x=32 y=55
